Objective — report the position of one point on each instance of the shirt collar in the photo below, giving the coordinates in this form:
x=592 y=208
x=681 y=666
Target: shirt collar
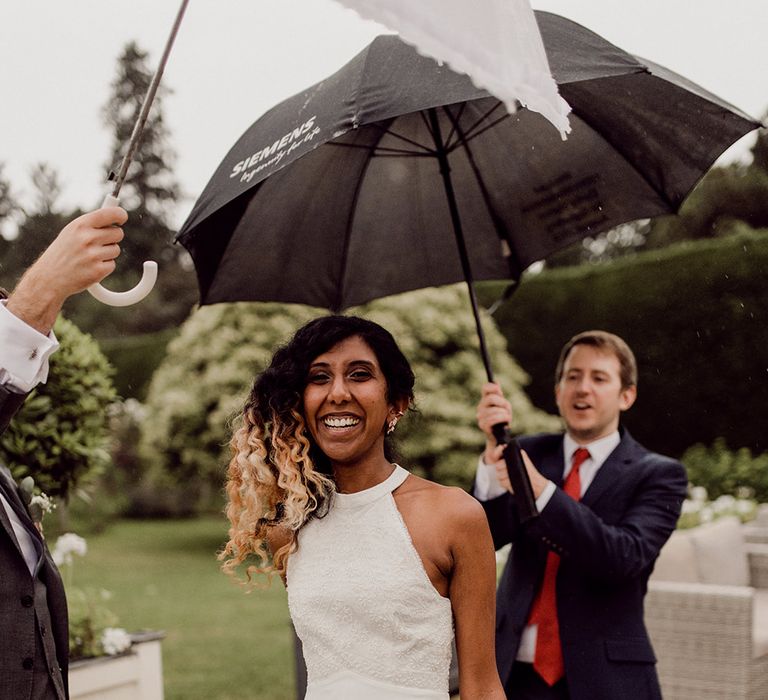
x=599 y=450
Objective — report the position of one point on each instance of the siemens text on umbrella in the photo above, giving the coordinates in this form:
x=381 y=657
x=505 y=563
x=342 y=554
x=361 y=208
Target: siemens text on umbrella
x=276 y=151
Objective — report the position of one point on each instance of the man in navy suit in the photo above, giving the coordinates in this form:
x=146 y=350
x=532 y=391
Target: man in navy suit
x=33 y=607
x=570 y=601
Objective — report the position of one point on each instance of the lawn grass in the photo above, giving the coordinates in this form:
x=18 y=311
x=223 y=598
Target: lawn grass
x=221 y=644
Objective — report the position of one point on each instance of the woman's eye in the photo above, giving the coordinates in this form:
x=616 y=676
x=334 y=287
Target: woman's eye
x=360 y=375
x=317 y=378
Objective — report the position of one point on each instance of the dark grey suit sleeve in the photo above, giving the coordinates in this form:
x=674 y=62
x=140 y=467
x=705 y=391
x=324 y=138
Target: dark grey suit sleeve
x=10 y=402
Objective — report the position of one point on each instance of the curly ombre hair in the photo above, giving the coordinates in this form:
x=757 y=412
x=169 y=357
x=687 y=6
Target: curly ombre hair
x=278 y=475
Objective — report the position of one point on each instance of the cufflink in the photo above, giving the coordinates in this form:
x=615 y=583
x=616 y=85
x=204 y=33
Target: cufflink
x=33 y=354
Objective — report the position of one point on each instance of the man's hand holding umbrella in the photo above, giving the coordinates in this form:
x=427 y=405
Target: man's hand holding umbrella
x=82 y=254
x=494 y=409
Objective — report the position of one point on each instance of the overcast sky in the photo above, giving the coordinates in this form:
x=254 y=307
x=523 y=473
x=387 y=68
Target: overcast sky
x=234 y=59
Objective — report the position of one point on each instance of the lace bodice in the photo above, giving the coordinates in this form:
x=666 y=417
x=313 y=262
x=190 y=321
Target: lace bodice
x=361 y=600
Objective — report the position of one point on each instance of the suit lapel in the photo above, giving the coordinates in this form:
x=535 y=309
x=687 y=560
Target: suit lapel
x=6 y=523
x=617 y=462
x=8 y=489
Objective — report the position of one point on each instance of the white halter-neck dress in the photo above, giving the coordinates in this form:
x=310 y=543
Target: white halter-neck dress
x=372 y=625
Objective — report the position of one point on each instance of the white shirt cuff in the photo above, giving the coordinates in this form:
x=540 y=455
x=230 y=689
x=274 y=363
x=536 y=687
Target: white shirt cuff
x=487 y=486
x=24 y=353
x=545 y=495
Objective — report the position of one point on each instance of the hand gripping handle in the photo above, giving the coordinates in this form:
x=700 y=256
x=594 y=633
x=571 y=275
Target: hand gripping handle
x=518 y=476
x=132 y=296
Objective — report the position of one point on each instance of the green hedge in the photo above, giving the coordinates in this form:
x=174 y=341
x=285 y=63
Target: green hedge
x=135 y=358
x=695 y=314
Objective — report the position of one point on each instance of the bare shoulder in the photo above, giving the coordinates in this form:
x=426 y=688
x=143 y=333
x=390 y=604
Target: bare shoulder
x=445 y=502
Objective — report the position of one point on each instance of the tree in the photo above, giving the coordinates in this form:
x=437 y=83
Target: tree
x=38 y=227
x=727 y=200
x=149 y=195
x=45 y=180
x=8 y=204
x=209 y=368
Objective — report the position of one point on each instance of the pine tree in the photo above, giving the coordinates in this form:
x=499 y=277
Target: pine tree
x=8 y=206
x=37 y=228
x=149 y=194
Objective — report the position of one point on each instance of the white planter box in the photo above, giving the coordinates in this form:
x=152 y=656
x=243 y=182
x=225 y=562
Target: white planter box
x=135 y=675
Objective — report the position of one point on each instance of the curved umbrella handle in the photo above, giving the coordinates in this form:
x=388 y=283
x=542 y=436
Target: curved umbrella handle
x=132 y=296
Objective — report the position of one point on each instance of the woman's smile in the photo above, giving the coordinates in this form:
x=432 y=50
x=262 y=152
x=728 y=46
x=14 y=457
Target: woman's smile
x=345 y=403
x=335 y=422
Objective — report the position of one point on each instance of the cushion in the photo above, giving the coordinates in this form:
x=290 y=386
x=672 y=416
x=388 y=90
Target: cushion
x=720 y=552
x=677 y=561
x=761 y=518
x=760 y=623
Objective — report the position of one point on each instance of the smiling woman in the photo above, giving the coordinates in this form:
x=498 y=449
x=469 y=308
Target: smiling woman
x=380 y=565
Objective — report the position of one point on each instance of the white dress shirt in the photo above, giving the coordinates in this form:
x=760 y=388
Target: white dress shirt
x=24 y=354
x=487 y=486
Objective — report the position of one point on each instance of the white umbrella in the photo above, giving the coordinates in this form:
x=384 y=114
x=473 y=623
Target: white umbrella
x=495 y=42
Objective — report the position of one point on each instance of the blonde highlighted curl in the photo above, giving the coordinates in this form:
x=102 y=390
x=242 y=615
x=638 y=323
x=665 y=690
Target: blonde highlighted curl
x=271 y=481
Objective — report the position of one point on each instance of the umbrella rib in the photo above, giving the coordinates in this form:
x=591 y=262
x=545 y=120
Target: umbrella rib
x=498 y=223
x=416 y=144
x=379 y=151
x=468 y=134
x=452 y=132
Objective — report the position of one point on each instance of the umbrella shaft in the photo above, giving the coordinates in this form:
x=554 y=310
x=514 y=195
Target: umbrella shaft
x=445 y=171
x=141 y=120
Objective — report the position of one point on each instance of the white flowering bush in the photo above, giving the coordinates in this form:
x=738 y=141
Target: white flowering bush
x=698 y=509
x=210 y=366
x=92 y=626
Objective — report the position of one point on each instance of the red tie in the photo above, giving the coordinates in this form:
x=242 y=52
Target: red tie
x=548 y=660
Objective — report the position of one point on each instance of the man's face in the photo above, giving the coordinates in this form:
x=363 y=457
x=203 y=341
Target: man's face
x=589 y=394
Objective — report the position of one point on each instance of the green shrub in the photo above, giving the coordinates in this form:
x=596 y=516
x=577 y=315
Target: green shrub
x=695 y=314
x=210 y=366
x=728 y=472
x=60 y=437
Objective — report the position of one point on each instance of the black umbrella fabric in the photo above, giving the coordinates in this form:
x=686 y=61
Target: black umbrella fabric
x=396 y=173
x=361 y=212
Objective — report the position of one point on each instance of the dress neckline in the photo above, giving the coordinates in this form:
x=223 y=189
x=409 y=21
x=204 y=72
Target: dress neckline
x=359 y=498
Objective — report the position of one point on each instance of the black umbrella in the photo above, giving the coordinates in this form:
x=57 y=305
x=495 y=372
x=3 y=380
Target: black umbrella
x=393 y=153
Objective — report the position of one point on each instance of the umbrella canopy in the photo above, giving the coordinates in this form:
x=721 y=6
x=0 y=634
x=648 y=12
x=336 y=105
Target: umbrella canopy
x=361 y=211
x=497 y=44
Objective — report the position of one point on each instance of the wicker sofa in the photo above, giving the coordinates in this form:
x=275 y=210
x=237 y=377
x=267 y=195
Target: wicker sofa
x=707 y=614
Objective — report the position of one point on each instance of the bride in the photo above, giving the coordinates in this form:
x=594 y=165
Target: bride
x=381 y=567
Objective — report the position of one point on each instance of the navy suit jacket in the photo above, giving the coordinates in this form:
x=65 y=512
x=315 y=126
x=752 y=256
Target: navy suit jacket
x=608 y=544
